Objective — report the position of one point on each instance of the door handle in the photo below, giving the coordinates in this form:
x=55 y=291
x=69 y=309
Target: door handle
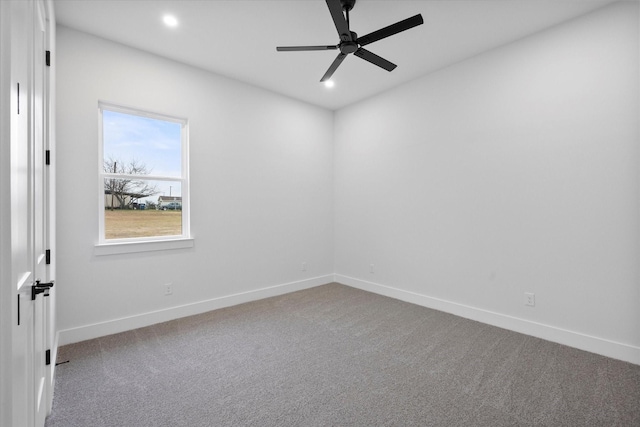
x=38 y=288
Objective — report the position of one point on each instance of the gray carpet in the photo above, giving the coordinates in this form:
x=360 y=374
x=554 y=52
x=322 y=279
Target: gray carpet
x=337 y=356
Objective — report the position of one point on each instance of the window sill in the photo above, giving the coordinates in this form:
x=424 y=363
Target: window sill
x=149 y=246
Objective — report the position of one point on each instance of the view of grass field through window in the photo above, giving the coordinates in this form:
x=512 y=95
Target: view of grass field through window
x=121 y=224
x=142 y=175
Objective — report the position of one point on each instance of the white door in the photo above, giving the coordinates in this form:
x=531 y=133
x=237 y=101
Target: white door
x=29 y=211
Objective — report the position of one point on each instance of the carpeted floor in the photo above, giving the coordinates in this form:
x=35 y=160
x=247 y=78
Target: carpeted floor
x=337 y=356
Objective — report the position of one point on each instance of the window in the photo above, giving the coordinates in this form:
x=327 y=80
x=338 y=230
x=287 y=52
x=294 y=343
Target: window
x=144 y=180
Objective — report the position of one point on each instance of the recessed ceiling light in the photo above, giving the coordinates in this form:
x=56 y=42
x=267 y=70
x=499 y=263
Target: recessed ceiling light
x=170 y=21
x=329 y=83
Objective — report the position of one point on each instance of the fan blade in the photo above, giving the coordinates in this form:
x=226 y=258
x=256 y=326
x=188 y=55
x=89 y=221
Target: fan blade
x=375 y=59
x=335 y=7
x=303 y=48
x=392 y=29
x=333 y=67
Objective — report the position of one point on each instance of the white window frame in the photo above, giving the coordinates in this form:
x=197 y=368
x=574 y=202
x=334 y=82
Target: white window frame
x=152 y=243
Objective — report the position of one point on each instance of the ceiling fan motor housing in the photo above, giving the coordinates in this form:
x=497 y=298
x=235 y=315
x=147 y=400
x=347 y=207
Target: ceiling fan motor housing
x=349 y=46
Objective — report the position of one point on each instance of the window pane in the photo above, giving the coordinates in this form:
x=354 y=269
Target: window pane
x=142 y=174
x=140 y=145
x=147 y=208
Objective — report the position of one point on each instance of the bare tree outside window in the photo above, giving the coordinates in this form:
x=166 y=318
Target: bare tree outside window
x=127 y=191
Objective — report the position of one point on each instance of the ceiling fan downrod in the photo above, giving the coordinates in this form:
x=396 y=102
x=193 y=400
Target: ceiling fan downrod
x=347 y=5
x=347 y=46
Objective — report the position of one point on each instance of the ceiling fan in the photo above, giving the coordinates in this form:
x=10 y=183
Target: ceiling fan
x=350 y=42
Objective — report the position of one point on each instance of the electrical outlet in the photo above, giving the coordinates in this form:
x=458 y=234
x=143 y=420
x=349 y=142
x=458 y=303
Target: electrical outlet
x=530 y=299
x=168 y=289
x=304 y=266
x=371 y=269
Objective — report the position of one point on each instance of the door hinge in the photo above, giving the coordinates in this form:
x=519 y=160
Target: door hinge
x=47 y=157
x=47 y=256
x=48 y=58
x=47 y=357
x=18 y=309
x=18 y=94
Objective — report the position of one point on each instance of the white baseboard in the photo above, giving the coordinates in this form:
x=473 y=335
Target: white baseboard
x=82 y=333
x=574 y=339
x=616 y=350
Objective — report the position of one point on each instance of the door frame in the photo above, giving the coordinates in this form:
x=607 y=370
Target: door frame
x=50 y=126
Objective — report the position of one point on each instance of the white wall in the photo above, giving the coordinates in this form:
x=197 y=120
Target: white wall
x=261 y=196
x=514 y=171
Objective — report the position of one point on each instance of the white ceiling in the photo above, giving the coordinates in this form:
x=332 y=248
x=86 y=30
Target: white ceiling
x=238 y=38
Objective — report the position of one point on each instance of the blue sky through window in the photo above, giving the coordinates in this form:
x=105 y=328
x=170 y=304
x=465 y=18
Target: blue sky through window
x=155 y=143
